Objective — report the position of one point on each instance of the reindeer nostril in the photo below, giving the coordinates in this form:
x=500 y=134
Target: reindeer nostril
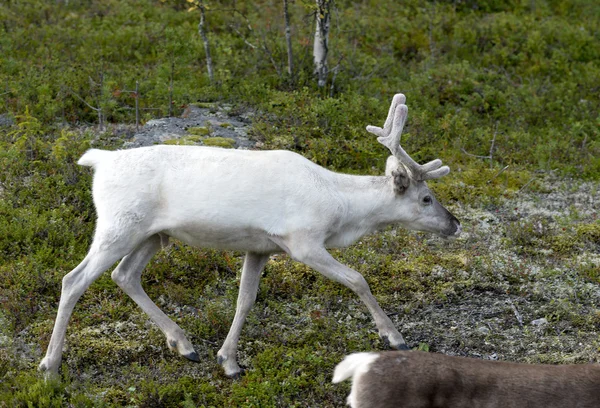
x=453 y=229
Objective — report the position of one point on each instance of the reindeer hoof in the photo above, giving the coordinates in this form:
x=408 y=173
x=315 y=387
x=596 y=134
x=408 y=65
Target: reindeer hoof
x=386 y=342
x=232 y=370
x=192 y=357
x=47 y=368
x=236 y=376
x=387 y=345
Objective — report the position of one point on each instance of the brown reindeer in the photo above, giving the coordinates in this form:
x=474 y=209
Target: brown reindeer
x=405 y=379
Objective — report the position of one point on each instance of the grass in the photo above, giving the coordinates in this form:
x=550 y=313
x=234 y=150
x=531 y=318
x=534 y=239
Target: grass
x=522 y=75
x=523 y=257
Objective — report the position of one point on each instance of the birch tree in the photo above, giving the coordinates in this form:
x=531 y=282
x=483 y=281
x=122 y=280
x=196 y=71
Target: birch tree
x=321 y=46
x=288 y=38
x=199 y=5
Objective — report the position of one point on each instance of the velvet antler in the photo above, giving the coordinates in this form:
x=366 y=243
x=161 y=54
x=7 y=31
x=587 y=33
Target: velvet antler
x=389 y=136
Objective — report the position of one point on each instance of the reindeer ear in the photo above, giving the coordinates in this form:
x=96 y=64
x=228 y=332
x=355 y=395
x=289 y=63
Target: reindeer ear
x=394 y=168
x=391 y=165
x=401 y=180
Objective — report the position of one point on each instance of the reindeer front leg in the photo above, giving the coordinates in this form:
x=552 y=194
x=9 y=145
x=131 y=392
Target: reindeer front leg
x=319 y=259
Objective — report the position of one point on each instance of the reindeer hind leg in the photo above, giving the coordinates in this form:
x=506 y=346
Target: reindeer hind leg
x=127 y=275
x=108 y=247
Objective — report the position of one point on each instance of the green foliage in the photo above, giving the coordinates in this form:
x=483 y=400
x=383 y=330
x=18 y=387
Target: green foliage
x=300 y=373
x=592 y=273
x=219 y=142
x=38 y=393
x=470 y=70
x=186 y=140
x=537 y=236
x=423 y=347
x=200 y=131
x=589 y=233
x=31 y=390
x=517 y=81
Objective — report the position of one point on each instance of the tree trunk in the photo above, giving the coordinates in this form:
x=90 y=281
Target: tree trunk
x=202 y=31
x=288 y=38
x=321 y=46
x=101 y=115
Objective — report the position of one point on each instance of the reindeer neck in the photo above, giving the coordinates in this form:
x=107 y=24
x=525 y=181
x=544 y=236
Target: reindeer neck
x=367 y=201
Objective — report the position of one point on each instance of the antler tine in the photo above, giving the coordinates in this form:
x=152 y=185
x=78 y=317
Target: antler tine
x=392 y=141
x=387 y=127
x=398 y=99
x=432 y=165
x=389 y=136
x=442 y=171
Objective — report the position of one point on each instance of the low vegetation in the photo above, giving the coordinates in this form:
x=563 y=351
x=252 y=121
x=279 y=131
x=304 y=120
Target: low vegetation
x=504 y=92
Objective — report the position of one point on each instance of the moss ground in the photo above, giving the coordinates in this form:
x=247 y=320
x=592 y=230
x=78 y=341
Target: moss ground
x=521 y=284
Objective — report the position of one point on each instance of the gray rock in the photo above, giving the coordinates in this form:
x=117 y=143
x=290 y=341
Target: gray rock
x=215 y=120
x=539 y=322
x=6 y=120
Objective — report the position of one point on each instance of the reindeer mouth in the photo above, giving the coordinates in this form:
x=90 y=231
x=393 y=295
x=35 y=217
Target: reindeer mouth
x=451 y=236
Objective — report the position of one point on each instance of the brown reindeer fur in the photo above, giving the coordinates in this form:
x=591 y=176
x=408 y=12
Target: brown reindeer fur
x=406 y=379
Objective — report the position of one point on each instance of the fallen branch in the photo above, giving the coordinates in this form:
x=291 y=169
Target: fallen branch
x=249 y=44
x=489 y=156
x=516 y=312
x=474 y=155
x=497 y=174
x=82 y=100
x=526 y=184
x=98 y=110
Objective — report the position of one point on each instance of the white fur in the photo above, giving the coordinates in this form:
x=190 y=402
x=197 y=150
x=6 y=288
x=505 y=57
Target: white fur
x=235 y=199
x=353 y=366
x=260 y=202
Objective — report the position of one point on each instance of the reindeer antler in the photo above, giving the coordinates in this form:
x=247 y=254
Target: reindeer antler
x=389 y=136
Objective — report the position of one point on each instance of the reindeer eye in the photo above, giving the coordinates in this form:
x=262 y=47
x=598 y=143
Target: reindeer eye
x=427 y=199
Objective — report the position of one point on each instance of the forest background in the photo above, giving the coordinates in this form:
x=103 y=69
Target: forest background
x=507 y=93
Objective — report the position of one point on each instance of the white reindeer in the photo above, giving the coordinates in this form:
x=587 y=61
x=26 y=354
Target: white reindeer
x=413 y=379
x=260 y=202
